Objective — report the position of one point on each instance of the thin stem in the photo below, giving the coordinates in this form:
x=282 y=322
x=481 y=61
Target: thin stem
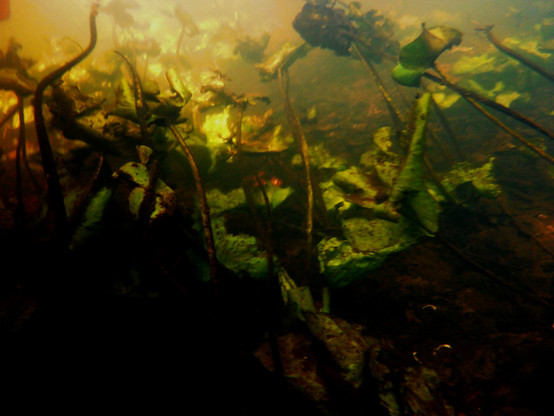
x=517 y=56
x=447 y=127
x=19 y=210
x=511 y=132
x=55 y=194
x=489 y=103
x=204 y=208
x=504 y=127
x=395 y=114
x=300 y=138
x=265 y=234
x=179 y=41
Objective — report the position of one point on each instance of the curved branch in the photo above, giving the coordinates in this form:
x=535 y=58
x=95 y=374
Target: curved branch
x=55 y=194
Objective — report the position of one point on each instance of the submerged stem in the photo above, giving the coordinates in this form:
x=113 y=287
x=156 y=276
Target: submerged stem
x=517 y=56
x=19 y=210
x=300 y=138
x=204 y=208
x=447 y=127
x=395 y=114
x=273 y=287
x=510 y=131
x=489 y=103
x=55 y=194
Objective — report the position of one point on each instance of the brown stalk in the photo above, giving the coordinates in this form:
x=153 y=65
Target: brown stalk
x=55 y=193
x=510 y=52
x=300 y=139
x=204 y=208
x=489 y=103
x=265 y=233
x=504 y=127
x=395 y=115
x=19 y=210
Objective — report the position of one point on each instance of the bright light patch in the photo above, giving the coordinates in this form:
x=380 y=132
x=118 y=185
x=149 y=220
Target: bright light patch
x=216 y=127
x=29 y=115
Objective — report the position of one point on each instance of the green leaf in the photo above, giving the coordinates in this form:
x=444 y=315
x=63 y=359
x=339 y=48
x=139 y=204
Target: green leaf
x=422 y=52
x=428 y=46
x=408 y=77
x=92 y=217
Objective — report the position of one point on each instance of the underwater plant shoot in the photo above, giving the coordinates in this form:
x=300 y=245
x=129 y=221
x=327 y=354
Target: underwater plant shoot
x=278 y=207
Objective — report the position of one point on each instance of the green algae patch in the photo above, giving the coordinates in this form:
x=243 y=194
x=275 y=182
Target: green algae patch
x=481 y=177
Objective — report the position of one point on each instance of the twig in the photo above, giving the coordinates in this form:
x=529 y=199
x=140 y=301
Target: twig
x=55 y=194
x=510 y=52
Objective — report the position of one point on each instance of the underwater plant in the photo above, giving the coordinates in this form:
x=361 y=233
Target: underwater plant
x=510 y=52
x=263 y=218
x=55 y=195
x=422 y=53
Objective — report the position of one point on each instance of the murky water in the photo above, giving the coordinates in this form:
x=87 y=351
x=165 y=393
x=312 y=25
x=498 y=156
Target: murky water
x=324 y=207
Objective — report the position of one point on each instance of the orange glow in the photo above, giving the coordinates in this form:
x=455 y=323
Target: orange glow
x=276 y=181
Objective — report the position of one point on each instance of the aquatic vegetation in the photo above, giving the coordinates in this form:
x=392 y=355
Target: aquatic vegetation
x=510 y=52
x=239 y=252
x=481 y=177
x=402 y=214
x=422 y=53
x=55 y=195
x=139 y=175
x=263 y=191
